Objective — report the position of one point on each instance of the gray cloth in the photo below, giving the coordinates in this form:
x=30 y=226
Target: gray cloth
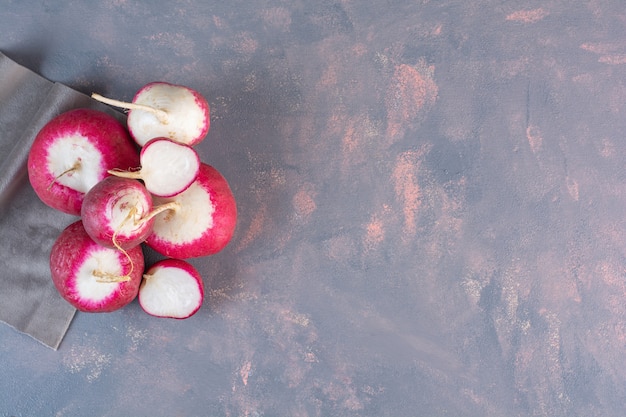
x=28 y=228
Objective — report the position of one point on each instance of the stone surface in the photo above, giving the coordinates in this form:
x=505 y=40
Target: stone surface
x=431 y=199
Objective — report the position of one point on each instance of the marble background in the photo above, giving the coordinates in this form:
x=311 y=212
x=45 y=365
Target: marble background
x=431 y=209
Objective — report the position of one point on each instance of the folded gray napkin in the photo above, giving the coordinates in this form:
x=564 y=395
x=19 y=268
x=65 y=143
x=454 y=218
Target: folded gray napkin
x=28 y=228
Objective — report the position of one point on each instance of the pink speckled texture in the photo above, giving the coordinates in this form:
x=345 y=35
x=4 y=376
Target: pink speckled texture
x=431 y=209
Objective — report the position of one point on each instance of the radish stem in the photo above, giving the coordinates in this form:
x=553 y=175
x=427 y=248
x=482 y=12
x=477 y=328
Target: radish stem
x=105 y=277
x=136 y=175
x=172 y=205
x=74 y=167
x=160 y=114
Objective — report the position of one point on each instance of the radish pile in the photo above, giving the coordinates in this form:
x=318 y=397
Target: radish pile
x=133 y=185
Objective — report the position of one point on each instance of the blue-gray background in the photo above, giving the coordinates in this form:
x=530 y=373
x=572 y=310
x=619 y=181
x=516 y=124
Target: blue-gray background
x=431 y=199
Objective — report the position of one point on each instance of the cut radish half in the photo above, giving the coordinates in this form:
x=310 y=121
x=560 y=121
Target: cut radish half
x=167 y=167
x=171 y=288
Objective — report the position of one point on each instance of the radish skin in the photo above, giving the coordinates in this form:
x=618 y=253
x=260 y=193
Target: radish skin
x=114 y=213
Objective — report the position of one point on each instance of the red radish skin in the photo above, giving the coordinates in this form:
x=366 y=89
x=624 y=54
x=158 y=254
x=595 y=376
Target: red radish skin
x=171 y=288
x=114 y=213
x=161 y=109
x=79 y=265
x=167 y=167
x=73 y=152
x=204 y=222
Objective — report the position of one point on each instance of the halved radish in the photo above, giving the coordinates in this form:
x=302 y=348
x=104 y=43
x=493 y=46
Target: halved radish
x=161 y=109
x=167 y=167
x=73 y=152
x=171 y=288
x=202 y=222
x=91 y=277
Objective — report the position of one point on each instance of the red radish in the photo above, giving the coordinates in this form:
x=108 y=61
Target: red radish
x=91 y=277
x=115 y=213
x=167 y=167
x=161 y=109
x=202 y=224
x=73 y=152
x=171 y=288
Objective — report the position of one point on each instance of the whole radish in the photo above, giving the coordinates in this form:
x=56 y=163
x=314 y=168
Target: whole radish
x=161 y=109
x=115 y=213
x=202 y=223
x=73 y=152
x=171 y=288
x=167 y=167
x=91 y=277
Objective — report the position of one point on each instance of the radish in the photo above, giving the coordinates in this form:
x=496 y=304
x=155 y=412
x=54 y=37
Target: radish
x=202 y=223
x=114 y=213
x=118 y=213
x=171 y=288
x=91 y=277
x=161 y=109
x=73 y=152
x=167 y=167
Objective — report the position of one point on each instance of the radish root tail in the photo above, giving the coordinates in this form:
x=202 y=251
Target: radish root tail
x=161 y=115
x=106 y=277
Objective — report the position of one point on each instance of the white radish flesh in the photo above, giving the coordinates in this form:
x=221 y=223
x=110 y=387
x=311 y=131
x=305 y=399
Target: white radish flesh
x=167 y=167
x=171 y=288
x=67 y=155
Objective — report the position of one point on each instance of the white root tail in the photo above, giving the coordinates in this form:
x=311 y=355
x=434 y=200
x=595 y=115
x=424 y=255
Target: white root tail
x=160 y=114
